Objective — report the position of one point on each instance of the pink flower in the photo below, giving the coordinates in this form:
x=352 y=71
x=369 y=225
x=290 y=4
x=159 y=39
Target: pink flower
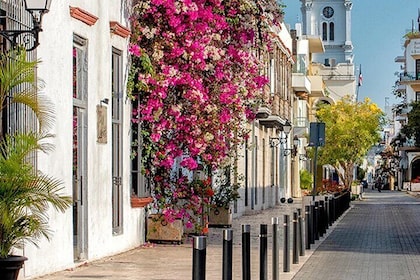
x=190 y=163
x=155 y=137
x=200 y=83
x=224 y=116
x=135 y=50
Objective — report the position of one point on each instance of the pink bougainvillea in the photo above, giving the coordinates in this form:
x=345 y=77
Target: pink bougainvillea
x=198 y=78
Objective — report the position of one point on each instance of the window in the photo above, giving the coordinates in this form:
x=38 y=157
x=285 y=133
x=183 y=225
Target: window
x=139 y=183
x=328 y=31
x=15 y=117
x=117 y=91
x=255 y=172
x=272 y=73
x=324 y=31
x=246 y=161
x=418 y=96
x=263 y=169
x=331 y=31
x=417 y=69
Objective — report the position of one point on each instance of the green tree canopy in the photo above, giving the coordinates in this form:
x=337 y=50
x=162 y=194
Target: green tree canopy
x=412 y=128
x=351 y=128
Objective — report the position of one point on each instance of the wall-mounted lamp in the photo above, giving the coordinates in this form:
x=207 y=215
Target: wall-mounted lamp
x=105 y=101
x=286 y=128
x=292 y=150
x=29 y=37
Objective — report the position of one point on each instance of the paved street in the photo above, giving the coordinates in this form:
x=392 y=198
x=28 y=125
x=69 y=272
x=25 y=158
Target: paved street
x=378 y=238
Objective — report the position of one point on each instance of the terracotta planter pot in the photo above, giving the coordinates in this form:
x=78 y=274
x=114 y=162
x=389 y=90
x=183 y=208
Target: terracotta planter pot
x=158 y=230
x=10 y=267
x=138 y=202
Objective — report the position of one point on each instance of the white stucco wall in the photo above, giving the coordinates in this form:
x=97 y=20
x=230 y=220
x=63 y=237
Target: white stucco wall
x=55 y=52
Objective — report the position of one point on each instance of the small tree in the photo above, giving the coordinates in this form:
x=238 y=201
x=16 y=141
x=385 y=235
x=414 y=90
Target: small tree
x=351 y=128
x=412 y=128
x=305 y=179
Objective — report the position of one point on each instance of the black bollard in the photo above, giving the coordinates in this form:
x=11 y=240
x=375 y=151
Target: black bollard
x=316 y=221
x=321 y=218
x=301 y=220
x=263 y=251
x=227 y=253
x=246 y=252
x=295 y=250
x=199 y=258
x=286 y=246
x=331 y=212
x=327 y=213
x=308 y=226
x=312 y=223
x=275 y=253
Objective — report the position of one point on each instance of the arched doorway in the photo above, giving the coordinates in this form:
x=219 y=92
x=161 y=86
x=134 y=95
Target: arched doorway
x=415 y=168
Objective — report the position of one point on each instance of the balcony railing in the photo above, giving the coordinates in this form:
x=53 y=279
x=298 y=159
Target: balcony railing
x=301 y=122
x=409 y=76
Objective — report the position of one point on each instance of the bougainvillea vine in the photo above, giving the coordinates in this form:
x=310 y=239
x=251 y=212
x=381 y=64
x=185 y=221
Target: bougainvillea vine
x=197 y=76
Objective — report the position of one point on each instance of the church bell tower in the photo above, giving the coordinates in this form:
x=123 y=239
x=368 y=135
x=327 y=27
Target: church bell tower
x=330 y=20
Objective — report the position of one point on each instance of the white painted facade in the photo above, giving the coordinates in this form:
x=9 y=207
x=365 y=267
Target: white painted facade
x=266 y=172
x=331 y=20
x=409 y=85
x=56 y=69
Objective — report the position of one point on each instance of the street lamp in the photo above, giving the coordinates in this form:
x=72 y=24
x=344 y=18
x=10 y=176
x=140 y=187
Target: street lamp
x=29 y=37
x=275 y=141
x=292 y=150
x=286 y=128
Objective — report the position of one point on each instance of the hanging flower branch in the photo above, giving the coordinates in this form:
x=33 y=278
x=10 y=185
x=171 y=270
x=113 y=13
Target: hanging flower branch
x=197 y=81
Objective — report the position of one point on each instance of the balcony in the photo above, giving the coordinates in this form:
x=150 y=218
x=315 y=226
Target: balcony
x=301 y=126
x=399 y=59
x=263 y=112
x=272 y=121
x=317 y=86
x=412 y=79
x=300 y=83
x=409 y=76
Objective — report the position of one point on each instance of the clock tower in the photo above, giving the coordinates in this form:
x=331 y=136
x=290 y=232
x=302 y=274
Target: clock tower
x=330 y=20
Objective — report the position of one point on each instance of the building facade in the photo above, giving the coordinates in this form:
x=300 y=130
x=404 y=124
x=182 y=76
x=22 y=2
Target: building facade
x=408 y=86
x=331 y=20
x=306 y=87
x=84 y=65
x=265 y=167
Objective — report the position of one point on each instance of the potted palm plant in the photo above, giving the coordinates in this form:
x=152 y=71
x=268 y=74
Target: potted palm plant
x=25 y=192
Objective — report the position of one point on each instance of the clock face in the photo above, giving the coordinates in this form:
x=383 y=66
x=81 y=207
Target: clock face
x=328 y=12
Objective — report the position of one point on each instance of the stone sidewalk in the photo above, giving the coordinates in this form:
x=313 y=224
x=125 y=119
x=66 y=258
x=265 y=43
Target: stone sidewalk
x=174 y=262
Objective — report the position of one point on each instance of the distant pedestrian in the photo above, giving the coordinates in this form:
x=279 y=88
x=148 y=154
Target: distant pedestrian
x=378 y=183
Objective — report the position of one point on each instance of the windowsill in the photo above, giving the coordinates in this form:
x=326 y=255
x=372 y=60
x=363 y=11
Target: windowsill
x=138 y=202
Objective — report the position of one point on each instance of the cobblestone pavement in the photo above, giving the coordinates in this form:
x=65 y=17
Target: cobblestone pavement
x=378 y=239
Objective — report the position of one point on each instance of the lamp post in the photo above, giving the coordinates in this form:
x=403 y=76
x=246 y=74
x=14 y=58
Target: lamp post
x=29 y=37
x=280 y=141
x=276 y=141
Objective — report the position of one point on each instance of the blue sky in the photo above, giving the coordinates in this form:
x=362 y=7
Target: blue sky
x=378 y=27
